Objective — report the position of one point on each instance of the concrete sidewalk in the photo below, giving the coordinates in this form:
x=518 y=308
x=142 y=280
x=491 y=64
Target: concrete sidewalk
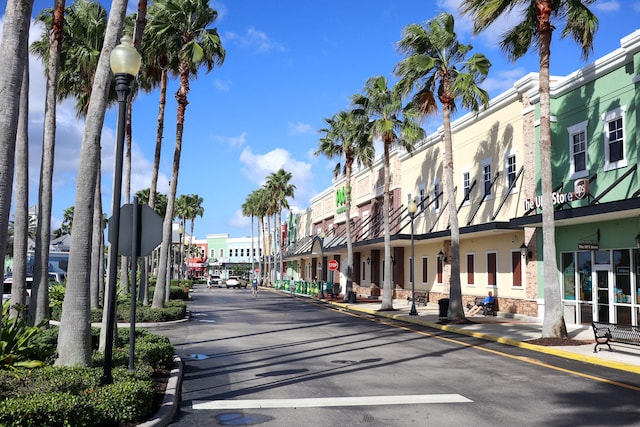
x=509 y=330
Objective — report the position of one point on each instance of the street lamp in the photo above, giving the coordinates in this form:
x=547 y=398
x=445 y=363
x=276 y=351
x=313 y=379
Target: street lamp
x=412 y=208
x=125 y=63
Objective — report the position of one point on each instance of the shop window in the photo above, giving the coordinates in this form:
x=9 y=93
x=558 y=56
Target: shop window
x=471 y=268
x=492 y=269
x=614 y=148
x=363 y=270
x=584 y=276
x=578 y=150
x=622 y=274
x=516 y=269
x=425 y=270
x=568 y=276
x=439 y=266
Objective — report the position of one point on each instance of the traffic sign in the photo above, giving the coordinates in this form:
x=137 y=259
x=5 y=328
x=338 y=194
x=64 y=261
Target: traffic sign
x=333 y=265
x=149 y=231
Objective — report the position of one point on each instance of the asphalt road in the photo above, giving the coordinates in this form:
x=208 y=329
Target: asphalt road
x=279 y=361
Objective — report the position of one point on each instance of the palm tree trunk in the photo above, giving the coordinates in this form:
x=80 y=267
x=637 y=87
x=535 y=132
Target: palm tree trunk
x=553 y=321
x=21 y=212
x=96 y=245
x=349 y=287
x=387 y=289
x=74 y=338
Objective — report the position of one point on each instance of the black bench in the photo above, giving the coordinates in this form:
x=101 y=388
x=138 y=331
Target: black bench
x=613 y=332
x=487 y=309
x=421 y=298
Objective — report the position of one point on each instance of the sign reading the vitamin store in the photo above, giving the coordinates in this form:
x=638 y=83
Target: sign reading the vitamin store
x=580 y=191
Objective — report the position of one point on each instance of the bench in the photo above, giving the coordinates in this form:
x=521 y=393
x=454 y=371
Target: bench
x=612 y=332
x=421 y=298
x=487 y=309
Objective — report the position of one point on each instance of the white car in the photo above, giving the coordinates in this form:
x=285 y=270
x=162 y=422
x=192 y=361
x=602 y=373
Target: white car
x=216 y=281
x=236 y=282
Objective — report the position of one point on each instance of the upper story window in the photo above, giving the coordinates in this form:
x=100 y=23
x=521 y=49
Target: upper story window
x=221 y=253
x=486 y=178
x=421 y=197
x=578 y=150
x=614 y=149
x=436 y=196
x=510 y=169
x=466 y=185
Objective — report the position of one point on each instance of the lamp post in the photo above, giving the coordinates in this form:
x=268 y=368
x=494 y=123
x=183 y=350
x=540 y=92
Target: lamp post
x=412 y=208
x=125 y=63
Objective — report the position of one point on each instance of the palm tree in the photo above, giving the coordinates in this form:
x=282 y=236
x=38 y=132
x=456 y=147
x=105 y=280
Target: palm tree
x=183 y=26
x=393 y=125
x=181 y=212
x=346 y=136
x=15 y=34
x=437 y=68
x=195 y=210
x=280 y=189
x=74 y=338
x=250 y=208
x=535 y=31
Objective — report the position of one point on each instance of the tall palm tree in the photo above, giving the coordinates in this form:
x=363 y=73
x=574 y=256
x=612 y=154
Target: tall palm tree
x=74 y=338
x=250 y=209
x=535 y=31
x=280 y=188
x=181 y=212
x=195 y=210
x=15 y=32
x=182 y=24
x=394 y=126
x=346 y=136
x=437 y=68
x=261 y=211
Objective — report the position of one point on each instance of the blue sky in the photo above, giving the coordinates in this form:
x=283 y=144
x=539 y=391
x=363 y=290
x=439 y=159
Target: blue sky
x=289 y=64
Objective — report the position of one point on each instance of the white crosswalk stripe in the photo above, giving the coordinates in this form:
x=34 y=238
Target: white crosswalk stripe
x=320 y=402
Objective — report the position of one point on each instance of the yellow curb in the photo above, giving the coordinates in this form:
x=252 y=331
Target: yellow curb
x=541 y=349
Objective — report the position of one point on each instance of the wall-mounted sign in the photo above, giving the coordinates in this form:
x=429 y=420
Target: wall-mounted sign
x=580 y=191
x=588 y=246
x=341 y=200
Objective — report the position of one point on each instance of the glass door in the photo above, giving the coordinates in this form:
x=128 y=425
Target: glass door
x=602 y=296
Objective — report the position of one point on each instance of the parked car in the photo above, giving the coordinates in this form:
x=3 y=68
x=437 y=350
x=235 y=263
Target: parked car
x=236 y=282
x=216 y=280
x=8 y=281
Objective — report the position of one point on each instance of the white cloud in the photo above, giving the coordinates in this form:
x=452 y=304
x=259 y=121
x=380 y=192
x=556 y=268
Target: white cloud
x=258 y=166
x=232 y=141
x=501 y=80
x=222 y=85
x=607 y=6
x=300 y=128
x=254 y=39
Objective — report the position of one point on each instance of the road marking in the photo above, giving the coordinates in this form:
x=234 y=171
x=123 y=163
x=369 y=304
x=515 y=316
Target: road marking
x=321 y=402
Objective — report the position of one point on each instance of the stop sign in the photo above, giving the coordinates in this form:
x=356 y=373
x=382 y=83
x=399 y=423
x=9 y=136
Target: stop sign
x=333 y=265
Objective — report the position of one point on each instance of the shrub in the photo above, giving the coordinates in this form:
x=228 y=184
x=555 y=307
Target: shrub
x=17 y=346
x=49 y=409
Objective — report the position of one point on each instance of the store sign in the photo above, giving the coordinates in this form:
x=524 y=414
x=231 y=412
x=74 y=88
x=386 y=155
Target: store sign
x=341 y=200
x=580 y=191
x=588 y=246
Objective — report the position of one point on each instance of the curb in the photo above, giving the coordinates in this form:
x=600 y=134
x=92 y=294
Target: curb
x=541 y=349
x=171 y=400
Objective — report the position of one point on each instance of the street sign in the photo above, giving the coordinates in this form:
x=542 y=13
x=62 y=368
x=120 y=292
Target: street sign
x=149 y=228
x=333 y=265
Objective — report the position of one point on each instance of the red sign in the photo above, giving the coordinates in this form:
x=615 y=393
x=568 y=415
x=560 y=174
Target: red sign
x=257 y=270
x=333 y=265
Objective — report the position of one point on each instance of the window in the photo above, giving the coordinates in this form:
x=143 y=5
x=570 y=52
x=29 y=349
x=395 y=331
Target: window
x=436 y=196
x=466 y=185
x=614 y=149
x=242 y=252
x=486 y=177
x=425 y=270
x=221 y=253
x=421 y=197
x=578 y=150
x=212 y=253
x=492 y=268
x=471 y=267
x=364 y=265
x=516 y=269
x=511 y=170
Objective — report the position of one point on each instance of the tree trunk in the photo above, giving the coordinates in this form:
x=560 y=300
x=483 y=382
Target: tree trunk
x=15 y=34
x=553 y=324
x=74 y=338
x=456 y=310
x=349 y=286
x=21 y=212
x=387 y=286
x=97 y=258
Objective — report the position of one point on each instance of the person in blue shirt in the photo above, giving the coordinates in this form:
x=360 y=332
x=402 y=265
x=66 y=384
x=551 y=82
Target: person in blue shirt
x=489 y=299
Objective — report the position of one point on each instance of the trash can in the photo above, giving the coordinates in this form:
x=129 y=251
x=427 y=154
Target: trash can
x=351 y=297
x=443 y=305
